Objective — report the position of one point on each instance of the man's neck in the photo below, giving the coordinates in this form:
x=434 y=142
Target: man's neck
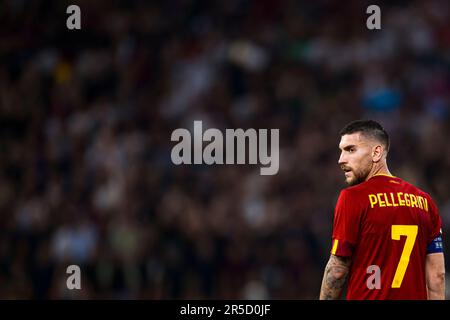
x=379 y=170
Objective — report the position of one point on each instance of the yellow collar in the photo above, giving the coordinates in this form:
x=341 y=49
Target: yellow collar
x=382 y=174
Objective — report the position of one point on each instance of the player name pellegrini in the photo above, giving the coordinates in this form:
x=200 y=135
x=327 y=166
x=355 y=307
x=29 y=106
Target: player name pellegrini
x=235 y=139
x=398 y=199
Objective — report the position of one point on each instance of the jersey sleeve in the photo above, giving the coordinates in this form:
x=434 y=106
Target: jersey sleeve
x=436 y=222
x=346 y=224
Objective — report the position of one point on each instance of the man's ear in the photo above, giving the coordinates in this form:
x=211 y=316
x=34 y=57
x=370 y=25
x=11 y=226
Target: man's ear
x=377 y=153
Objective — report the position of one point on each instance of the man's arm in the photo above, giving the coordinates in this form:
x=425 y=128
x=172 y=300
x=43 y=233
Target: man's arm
x=334 y=277
x=435 y=275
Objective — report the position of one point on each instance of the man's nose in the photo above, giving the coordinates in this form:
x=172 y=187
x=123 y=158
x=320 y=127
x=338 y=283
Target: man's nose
x=342 y=159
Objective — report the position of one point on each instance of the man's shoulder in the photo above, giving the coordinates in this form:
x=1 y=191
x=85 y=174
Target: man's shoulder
x=363 y=187
x=354 y=193
x=417 y=190
x=377 y=185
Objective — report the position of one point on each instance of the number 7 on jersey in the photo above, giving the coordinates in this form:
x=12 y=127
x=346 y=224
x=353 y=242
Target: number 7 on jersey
x=411 y=233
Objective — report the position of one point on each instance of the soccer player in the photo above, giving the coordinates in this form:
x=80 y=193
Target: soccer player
x=386 y=241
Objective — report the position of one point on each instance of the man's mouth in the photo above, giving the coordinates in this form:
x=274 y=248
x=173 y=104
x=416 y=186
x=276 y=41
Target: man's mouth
x=346 y=171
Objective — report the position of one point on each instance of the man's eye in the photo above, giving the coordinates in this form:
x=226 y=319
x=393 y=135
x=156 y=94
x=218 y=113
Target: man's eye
x=351 y=150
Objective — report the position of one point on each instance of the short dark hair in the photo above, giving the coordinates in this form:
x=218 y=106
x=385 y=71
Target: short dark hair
x=369 y=128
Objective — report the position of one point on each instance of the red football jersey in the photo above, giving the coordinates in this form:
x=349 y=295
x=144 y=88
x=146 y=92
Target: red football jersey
x=385 y=225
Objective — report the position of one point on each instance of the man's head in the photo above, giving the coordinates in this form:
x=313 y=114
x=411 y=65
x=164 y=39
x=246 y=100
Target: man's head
x=364 y=145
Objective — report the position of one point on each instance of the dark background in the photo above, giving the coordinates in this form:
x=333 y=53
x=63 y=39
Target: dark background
x=86 y=117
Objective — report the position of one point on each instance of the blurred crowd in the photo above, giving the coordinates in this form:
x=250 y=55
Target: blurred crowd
x=86 y=117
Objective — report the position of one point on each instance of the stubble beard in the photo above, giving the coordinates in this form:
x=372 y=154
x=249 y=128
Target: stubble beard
x=358 y=177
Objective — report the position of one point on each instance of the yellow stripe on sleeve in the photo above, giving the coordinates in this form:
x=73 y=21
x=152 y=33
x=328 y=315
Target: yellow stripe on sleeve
x=335 y=245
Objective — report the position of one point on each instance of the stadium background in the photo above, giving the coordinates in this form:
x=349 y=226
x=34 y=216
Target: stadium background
x=86 y=117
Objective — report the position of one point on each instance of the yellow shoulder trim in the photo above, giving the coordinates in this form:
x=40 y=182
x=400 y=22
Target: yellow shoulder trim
x=335 y=245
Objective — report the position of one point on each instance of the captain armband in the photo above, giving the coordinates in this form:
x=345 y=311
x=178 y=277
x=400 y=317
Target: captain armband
x=435 y=245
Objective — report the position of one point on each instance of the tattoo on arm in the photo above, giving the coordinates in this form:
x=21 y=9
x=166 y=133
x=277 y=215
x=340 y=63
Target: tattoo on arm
x=334 y=277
